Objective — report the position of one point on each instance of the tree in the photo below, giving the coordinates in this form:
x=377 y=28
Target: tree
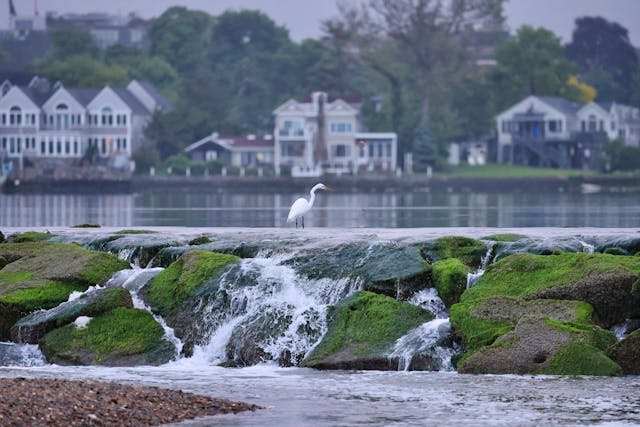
x=531 y=63
x=583 y=92
x=599 y=46
x=71 y=41
x=181 y=37
x=84 y=71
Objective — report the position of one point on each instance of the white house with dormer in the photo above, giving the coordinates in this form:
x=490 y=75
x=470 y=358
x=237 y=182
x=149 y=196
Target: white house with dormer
x=554 y=132
x=43 y=123
x=325 y=135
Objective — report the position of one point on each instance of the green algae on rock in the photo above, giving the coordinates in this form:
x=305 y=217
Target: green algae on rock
x=41 y=275
x=505 y=237
x=450 y=279
x=119 y=337
x=31 y=236
x=362 y=330
x=469 y=251
x=169 y=289
x=34 y=326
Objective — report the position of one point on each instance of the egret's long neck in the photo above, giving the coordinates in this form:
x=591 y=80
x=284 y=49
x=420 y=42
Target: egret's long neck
x=312 y=198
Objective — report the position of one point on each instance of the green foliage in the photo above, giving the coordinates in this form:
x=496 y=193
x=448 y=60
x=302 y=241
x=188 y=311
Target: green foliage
x=67 y=42
x=146 y=158
x=182 y=278
x=524 y=274
x=86 y=72
x=45 y=296
x=582 y=359
x=450 y=279
x=86 y=225
x=366 y=324
x=531 y=63
x=507 y=171
x=181 y=37
x=120 y=332
x=32 y=236
x=616 y=156
x=606 y=57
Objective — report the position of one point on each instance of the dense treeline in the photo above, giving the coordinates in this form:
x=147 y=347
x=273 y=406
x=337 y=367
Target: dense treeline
x=415 y=65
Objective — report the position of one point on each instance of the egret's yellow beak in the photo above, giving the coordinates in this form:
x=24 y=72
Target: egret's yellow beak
x=328 y=188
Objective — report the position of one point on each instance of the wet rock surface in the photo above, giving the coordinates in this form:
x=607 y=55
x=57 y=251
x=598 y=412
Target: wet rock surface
x=91 y=403
x=31 y=328
x=627 y=353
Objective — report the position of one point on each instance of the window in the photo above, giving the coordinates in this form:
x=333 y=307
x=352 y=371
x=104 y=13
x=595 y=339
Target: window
x=341 y=150
x=601 y=125
x=124 y=143
x=124 y=119
x=103 y=147
x=62 y=116
x=50 y=147
x=592 y=123
x=341 y=127
x=15 y=116
x=4 y=119
x=362 y=151
x=613 y=125
x=67 y=147
x=58 y=147
x=43 y=147
x=107 y=117
x=553 y=126
x=4 y=143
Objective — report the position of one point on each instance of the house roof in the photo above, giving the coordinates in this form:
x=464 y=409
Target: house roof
x=38 y=97
x=561 y=104
x=232 y=143
x=83 y=96
x=164 y=103
x=133 y=103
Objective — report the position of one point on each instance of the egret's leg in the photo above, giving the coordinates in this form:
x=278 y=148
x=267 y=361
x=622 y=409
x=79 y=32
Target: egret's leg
x=302 y=222
x=296 y=222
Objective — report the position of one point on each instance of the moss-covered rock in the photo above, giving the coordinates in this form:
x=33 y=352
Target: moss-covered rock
x=182 y=279
x=200 y=240
x=3 y=262
x=520 y=275
x=627 y=353
x=31 y=236
x=610 y=294
x=86 y=225
x=480 y=322
x=505 y=237
x=119 y=337
x=388 y=269
x=629 y=244
x=136 y=232
x=41 y=275
x=450 y=279
x=1 y=237
x=538 y=345
x=616 y=251
x=31 y=328
x=469 y=251
x=362 y=331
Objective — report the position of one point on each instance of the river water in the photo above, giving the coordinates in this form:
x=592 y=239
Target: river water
x=198 y=208
x=303 y=397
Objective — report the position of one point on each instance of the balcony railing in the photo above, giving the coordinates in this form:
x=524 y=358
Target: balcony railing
x=291 y=132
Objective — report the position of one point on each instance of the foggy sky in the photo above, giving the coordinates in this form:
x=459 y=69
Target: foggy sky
x=302 y=17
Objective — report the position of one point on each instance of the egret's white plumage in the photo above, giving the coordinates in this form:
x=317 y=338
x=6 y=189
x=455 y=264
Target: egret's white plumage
x=300 y=207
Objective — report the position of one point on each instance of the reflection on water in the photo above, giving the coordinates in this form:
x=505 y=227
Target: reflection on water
x=199 y=209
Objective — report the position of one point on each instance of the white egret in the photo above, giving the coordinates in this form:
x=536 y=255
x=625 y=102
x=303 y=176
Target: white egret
x=301 y=206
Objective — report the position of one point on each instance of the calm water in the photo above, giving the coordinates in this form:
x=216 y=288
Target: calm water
x=383 y=210
x=302 y=397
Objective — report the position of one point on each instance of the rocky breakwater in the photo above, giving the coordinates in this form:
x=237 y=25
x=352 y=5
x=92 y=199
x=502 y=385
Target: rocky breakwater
x=551 y=314
x=52 y=294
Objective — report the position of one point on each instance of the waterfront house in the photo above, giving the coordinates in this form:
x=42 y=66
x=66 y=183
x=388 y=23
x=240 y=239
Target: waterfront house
x=51 y=126
x=325 y=135
x=248 y=152
x=553 y=132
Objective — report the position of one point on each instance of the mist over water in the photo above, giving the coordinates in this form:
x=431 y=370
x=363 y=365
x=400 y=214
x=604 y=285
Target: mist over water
x=195 y=208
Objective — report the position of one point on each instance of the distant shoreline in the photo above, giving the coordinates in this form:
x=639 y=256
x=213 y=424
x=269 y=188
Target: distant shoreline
x=344 y=184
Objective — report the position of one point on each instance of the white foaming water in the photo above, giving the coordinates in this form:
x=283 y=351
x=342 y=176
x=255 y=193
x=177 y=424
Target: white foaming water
x=587 y=247
x=23 y=355
x=77 y=294
x=430 y=301
x=126 y=254
x=472 y=278
x=266 y=291
x=133 y=280
x=423 y=341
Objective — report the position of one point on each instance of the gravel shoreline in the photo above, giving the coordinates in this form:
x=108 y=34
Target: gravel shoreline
x=54 y=402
